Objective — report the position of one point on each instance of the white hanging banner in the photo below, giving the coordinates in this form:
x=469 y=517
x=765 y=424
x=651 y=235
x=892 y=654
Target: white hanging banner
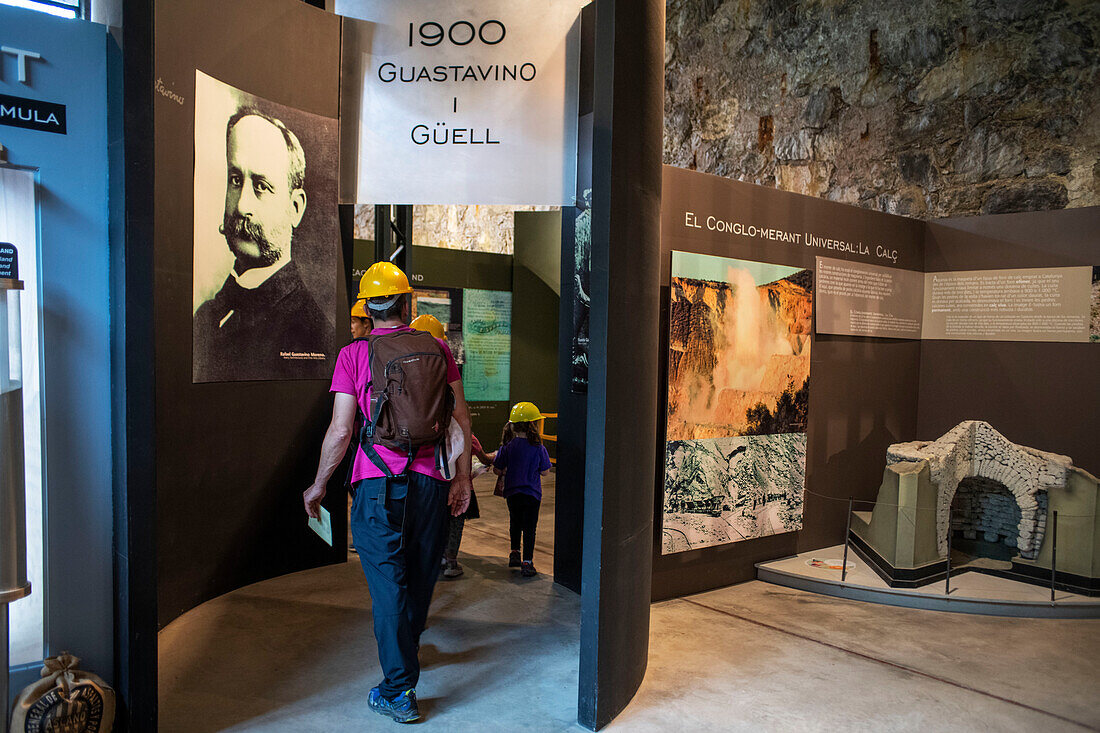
x=464 y=102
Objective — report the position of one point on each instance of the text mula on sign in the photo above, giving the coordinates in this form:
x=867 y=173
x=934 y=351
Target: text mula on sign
x=32 y=114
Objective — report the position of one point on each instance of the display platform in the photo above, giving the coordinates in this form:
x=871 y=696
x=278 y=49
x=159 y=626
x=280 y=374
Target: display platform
x=971 y=592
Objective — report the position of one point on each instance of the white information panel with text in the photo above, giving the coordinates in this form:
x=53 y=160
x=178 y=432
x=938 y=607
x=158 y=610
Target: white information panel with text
x=465 y=102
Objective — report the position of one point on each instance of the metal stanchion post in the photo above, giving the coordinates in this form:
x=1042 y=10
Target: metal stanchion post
x=947 y=580
x=4 y=680
x=847 y=534
x=1053 y=553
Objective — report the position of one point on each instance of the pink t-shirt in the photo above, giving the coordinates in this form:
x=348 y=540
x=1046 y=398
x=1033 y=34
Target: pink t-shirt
x=352 y=376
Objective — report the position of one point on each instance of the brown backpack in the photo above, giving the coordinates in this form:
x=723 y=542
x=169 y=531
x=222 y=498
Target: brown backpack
x=410 y=399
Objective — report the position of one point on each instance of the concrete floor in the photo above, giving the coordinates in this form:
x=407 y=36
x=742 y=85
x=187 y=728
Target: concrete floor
x=297 y=654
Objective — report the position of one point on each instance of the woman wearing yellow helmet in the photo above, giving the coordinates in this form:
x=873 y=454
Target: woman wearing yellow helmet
x=361 y=323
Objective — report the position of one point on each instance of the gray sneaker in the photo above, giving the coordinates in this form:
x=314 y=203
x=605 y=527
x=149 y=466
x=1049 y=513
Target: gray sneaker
x=452 y=569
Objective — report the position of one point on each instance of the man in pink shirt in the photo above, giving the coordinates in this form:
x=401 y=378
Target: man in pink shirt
x=398 y=515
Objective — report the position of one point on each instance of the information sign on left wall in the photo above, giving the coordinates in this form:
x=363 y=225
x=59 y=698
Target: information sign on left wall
x=266 y=232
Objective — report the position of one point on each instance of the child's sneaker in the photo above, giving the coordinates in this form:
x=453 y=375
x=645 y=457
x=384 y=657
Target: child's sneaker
x=401 y=708
x=528 y=569
x=513 y=560
x=452 y=569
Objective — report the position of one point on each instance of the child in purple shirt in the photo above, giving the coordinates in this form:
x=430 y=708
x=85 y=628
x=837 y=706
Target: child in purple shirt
x=523 y=461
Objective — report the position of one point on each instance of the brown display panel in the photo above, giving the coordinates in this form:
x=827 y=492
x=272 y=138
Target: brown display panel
x=622 y=406
x=232 y=458
x=863 y=393
x=868 y=392
x=1044 y=395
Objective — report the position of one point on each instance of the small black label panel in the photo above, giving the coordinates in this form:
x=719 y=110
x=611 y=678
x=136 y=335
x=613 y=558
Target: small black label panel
x=32 y=114
x=9 y=262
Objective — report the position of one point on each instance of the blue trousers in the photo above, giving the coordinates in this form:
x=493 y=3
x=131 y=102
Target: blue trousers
x=398 y=527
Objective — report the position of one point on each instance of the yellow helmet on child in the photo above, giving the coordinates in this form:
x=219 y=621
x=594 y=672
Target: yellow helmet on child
x=524 y=412
x=428 y=322
x=382 y=280
x=359 y=310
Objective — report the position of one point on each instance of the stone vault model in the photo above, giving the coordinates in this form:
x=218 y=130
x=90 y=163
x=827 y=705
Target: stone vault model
x=995 y=496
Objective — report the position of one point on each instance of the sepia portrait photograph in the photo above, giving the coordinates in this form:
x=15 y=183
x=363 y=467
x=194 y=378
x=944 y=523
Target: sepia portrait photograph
x=265 y=238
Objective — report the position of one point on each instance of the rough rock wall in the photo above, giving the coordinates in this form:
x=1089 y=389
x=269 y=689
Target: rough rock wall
x=472 y=228
x=925 y=108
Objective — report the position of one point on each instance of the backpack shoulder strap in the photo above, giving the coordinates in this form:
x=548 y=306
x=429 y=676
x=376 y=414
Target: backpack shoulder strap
x=376 y=403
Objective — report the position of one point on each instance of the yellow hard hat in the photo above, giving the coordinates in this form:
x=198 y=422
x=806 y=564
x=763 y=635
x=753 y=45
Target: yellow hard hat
x=359 y=310
x=524 y=412
x=428 y=322
x=383 y=279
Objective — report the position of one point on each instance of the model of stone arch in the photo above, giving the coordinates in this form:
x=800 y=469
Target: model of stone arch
x=997 y=491
x=973 y=449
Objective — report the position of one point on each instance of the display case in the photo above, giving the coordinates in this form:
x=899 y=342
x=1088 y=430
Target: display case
x=13 y=519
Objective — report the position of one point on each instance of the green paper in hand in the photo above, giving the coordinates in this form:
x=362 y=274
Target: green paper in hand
x=322 y=526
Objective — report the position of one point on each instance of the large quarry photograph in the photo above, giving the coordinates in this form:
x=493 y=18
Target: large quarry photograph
x=738 y=390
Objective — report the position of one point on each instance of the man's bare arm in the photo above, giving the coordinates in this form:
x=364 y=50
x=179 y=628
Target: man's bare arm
x=333 y=449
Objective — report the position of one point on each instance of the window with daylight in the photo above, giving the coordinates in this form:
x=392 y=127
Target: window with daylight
x=61 y=8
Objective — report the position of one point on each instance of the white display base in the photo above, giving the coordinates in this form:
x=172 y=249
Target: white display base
x=971 y=592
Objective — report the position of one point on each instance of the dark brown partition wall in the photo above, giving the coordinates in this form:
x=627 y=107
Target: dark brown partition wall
x=866 y=393
x=622 y=375
x=233 y=457
x=863 y=394
x=1043 y=395
x=133 y=383
x=572 y=317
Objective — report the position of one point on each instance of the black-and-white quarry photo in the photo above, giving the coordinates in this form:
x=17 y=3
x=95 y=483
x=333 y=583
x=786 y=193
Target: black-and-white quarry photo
x=266 y=235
